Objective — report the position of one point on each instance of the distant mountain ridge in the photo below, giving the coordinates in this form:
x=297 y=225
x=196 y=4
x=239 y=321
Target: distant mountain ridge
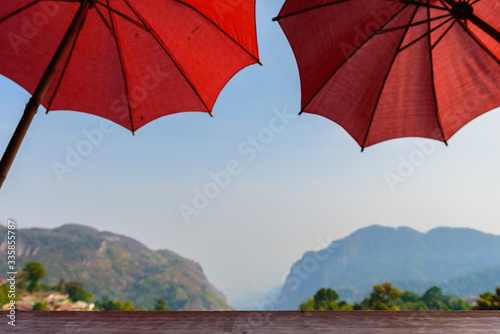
x=462 y=261
x=116 y=266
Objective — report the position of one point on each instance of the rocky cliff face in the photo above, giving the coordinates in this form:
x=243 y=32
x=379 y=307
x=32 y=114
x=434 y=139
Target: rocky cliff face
x=116 y=266
x=414 y=260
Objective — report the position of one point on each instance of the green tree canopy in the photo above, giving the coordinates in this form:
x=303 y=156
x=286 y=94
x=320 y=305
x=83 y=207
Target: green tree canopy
x=383 y=296
x=33 y=271
x=489 y=301
x=433 y=298
x=411 y=297
x=105 y=304
x=160 y=305
x=76 y=292
x=386 y=297
x=325 y=299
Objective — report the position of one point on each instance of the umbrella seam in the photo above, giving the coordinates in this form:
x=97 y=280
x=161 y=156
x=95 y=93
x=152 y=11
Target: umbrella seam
x=106 y=23
x=434 y=97
x=385 y=80
x=414 y=24
x=18 y=11
x=427 y=34
x=131 y=20
x=164 y=47
x=473 y=36
x=122 y=67
x=444 y=34
x=222 y=30
x=446 y=5
x=420 y=4
x=349 y=57
x=56 y=89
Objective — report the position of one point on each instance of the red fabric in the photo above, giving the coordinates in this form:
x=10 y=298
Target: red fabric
x=195 y=47
x=363 y=66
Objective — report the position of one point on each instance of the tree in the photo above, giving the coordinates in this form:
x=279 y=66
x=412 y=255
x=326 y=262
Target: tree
x=33 y=271
x=456 y=303
x=411 y=297
x=76 y=292
x=382 y=297
x=4 y=293
x=40 y=306
x=160 y=305
x=59 y=287
x=410 y=301
x=433 y=298
x=105 y=304
x=323 y=300
x=307 y=305
x=488 y=301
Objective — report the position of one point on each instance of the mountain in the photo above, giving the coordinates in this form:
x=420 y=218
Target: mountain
x=116 y=266
x=462 y=261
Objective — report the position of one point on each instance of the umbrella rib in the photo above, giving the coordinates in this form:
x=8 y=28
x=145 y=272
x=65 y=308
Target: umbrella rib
x=106 y=23
x=18 y=11
x=169 y=54
x=385 y=80
x=413 y=24
x=427 y=33
x=221 y=30
x=115 y=36
x=420 y=4
x=484 y=47
x=308 y=9
x=349 y=57
x=123 y=15
x=70 y=53
x=443 y=34
x=434 y=97
x=445 y=5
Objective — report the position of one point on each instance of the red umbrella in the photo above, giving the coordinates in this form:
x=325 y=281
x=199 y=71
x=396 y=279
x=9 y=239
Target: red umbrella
x=130 y=61
x=385 y=69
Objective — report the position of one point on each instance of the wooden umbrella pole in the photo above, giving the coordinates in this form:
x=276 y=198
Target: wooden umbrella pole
x=35 y=101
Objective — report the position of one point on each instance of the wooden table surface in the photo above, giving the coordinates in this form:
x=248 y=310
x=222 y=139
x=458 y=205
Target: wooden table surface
x=253 y=322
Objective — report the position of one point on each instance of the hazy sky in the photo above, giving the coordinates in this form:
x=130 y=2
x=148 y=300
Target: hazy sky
x=306 y=183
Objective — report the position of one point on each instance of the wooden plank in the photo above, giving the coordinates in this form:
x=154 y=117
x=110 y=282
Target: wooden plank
x=255 y=322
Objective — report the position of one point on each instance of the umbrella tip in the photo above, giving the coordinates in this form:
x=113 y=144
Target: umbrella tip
x=210 y=113
x=362 y=149
x=260 y=63
x=133 y=133
x=275 y=18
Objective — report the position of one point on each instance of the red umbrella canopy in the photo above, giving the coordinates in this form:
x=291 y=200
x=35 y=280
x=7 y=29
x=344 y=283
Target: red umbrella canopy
x=132 y=61
x=384 y=69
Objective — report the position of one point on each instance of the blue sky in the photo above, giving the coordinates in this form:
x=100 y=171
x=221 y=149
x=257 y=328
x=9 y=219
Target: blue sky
x=307 y=183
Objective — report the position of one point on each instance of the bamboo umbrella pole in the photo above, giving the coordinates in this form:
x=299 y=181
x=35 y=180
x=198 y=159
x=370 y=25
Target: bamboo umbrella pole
x=35 y=101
